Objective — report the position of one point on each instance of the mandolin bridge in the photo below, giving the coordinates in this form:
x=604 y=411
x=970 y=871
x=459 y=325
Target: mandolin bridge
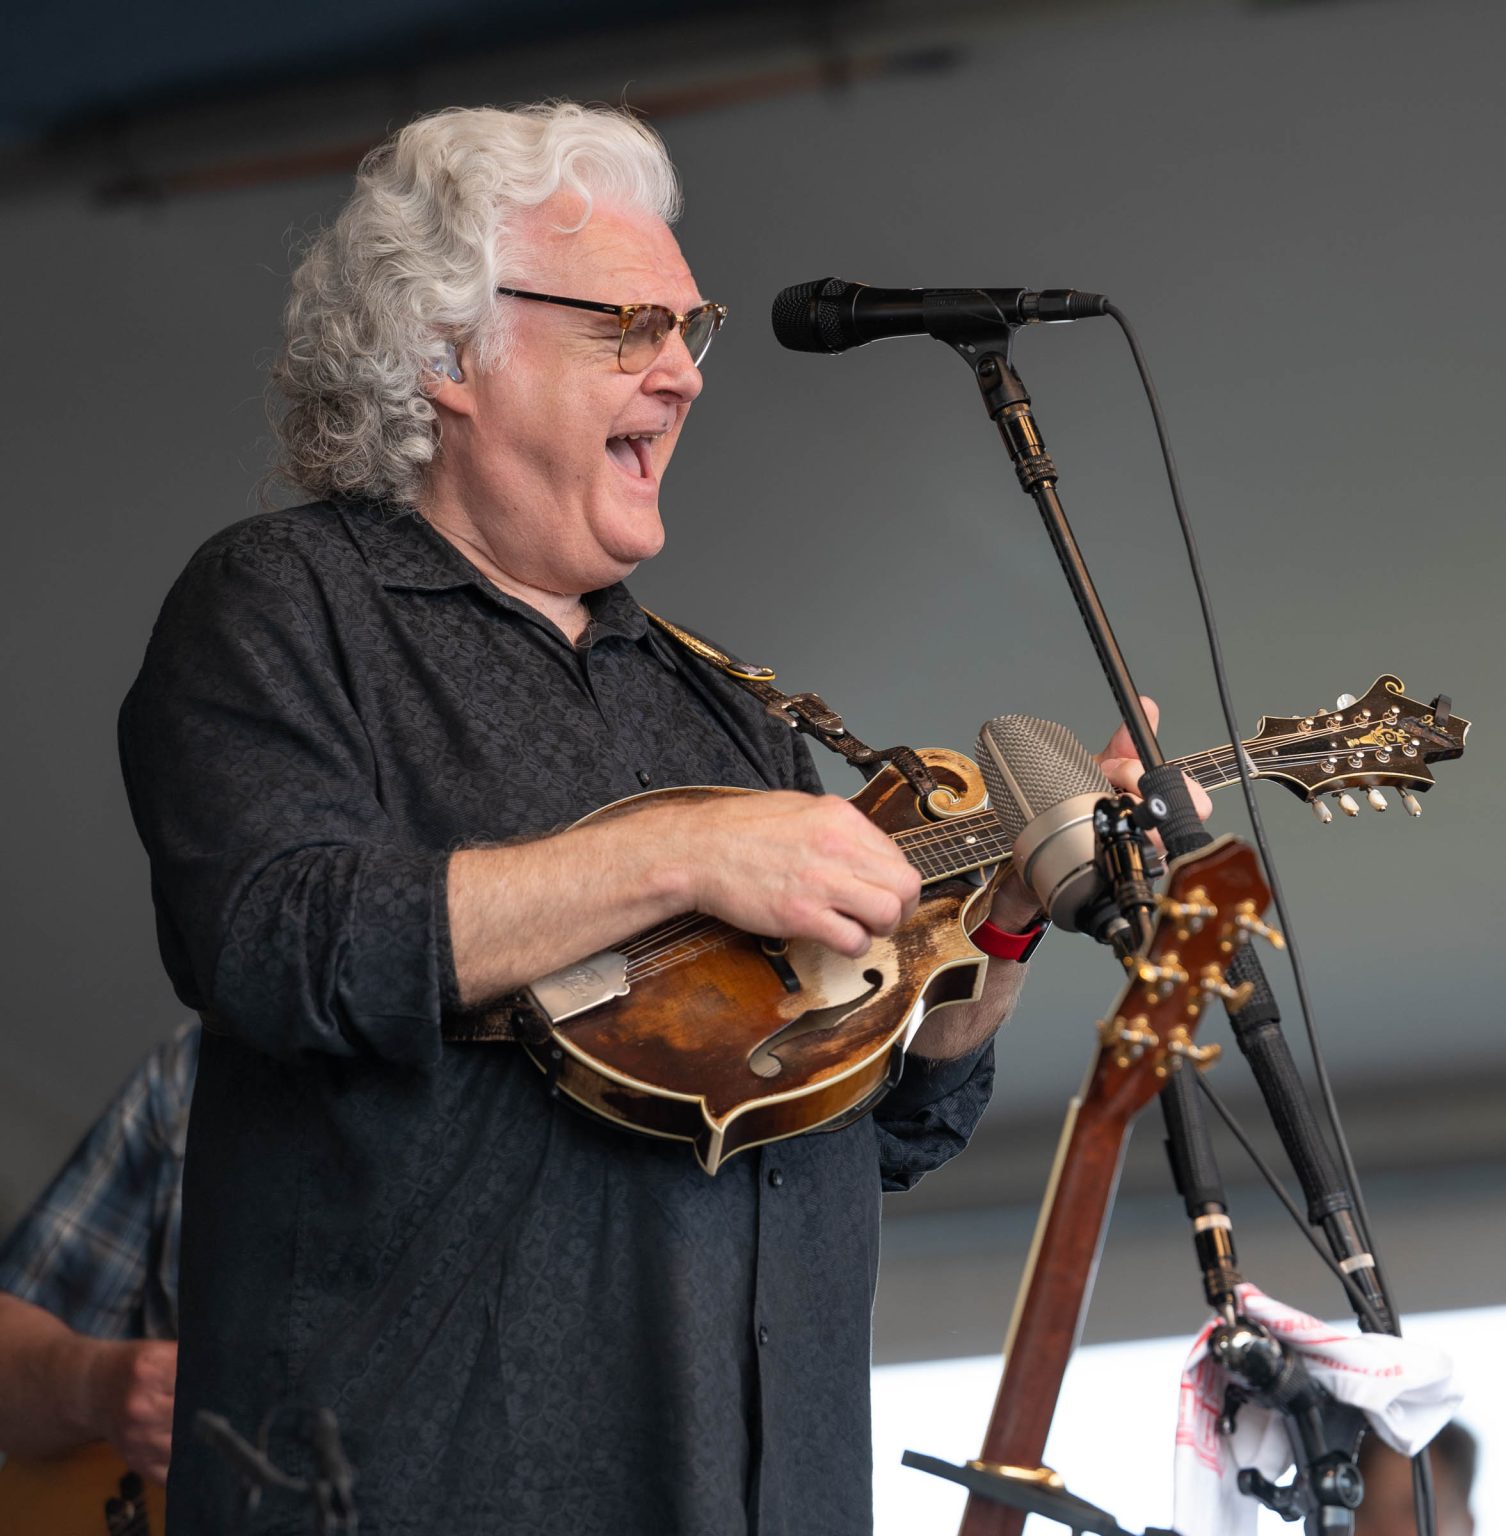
x=580 y=987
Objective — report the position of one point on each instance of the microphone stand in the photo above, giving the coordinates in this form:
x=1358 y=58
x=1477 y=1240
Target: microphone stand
x=977 y=331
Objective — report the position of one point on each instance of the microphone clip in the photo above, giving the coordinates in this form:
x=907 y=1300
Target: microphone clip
x=1128 y=862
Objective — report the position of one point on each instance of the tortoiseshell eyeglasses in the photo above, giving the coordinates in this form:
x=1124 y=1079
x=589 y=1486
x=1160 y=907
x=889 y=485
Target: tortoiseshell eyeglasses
x=645 y=327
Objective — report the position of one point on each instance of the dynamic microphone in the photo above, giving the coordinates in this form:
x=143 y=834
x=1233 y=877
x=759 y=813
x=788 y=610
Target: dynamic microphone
x=834 y=315
x=1043 y=785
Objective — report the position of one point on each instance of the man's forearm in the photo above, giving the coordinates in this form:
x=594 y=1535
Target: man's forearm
x=44 y=1397
x=520 y=912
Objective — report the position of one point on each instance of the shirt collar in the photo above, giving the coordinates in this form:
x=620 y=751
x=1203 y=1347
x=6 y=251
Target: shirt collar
x=407 y=554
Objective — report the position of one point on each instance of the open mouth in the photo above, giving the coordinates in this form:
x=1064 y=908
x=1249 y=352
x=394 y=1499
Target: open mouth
x=632 y=453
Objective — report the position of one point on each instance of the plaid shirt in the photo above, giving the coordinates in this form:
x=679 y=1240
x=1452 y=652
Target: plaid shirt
x=99 y=1249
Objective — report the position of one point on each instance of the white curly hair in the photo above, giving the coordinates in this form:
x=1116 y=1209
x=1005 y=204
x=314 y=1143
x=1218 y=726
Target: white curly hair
x=412 y=261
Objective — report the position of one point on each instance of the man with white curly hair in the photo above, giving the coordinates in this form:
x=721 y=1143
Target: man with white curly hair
x=359 y=726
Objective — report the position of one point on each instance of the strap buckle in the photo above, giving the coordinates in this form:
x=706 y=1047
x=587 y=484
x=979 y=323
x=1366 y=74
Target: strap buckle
x=811 y=711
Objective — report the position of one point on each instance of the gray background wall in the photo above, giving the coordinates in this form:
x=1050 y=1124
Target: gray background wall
x=1299 y=205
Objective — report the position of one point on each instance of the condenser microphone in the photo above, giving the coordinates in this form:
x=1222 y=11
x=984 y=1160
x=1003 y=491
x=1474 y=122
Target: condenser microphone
x=1043 y=785
x=834 y=315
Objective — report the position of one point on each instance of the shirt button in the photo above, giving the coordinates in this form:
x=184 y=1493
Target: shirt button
x=645 y=778
x=763 y=1334
x=776 y=1177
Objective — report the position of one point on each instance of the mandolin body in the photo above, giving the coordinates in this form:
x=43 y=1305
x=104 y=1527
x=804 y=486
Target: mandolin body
x=709 y=1044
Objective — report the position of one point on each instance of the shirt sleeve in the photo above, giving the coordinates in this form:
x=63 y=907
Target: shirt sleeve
x=930 y=1115
x=288 y=910
x=87 y=1247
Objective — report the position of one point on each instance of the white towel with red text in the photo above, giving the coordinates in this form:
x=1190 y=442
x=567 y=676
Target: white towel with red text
x=1404 y=1389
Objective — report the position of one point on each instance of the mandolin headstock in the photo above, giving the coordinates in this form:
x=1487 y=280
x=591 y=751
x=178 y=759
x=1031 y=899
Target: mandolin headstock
x=1384 y=739
x=1214 y=902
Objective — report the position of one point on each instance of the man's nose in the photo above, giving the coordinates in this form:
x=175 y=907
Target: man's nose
x=673 y=372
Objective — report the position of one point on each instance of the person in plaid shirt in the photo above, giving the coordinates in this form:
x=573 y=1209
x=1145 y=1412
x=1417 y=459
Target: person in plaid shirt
x=89 y=1279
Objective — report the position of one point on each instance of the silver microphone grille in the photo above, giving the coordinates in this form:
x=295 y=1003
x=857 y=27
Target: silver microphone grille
x=1029 y=765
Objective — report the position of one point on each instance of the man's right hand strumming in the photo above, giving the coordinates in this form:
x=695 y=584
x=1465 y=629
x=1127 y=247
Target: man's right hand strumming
x=778 y=862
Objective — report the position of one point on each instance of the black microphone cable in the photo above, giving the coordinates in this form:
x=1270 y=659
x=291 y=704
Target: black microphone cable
x=1422 y=1481
x=1231 y=723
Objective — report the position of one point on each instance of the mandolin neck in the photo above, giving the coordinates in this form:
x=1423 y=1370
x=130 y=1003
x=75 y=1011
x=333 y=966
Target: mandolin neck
x=941 y=849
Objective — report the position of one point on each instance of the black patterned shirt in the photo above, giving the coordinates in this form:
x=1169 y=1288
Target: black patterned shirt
x=524 y=1320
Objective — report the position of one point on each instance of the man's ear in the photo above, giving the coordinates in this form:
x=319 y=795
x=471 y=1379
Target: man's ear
x=445 y=381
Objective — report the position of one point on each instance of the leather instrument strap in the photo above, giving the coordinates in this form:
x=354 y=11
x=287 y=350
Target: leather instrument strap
x=515 y=1017
x=807 y=712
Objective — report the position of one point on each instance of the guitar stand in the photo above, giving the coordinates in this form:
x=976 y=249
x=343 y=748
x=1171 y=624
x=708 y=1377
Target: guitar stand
x=1034 y=1493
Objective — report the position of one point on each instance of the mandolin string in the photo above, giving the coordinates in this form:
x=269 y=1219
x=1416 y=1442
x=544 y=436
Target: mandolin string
x=662 y=931
x=1315 y=734
x=658 y=940
x=675 y=954
x=1297 y=760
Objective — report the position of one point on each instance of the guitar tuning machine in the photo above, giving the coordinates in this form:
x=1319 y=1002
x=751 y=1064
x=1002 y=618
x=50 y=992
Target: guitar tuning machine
x=1190 y=914
x=1343 y=701
x=1409 y=801
x=1322 y=812
x=1212 y=982
x=1347 y=803
x=1247 y=921
x=1161 y=980
x=1133 y=1037
x=1376 y=798
x=1180 y=1047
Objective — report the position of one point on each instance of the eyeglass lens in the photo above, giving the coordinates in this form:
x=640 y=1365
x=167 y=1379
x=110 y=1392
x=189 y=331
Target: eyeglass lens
x=650 y=327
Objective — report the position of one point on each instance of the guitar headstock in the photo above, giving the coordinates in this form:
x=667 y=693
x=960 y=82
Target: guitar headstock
x=1382 y=739
x=1214 y=902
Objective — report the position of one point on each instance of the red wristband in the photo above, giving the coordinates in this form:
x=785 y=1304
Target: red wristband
x=994 y=941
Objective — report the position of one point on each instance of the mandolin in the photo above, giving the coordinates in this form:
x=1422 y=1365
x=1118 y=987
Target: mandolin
x=698 y=1032
x=1213 y=903
x=88 y=1492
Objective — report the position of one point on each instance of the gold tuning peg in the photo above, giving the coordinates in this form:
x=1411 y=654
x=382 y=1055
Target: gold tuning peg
x=1194 y=909
x=1212 y=982
x=1165 y=979
x=1248 y=922
x=1132 y=1037
x=1179 y=1044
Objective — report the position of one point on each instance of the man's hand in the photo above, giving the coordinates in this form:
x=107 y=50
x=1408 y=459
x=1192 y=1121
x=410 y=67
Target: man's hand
x=798 y=866
x=129 y=1390
x=1123 y=769
x=60 y=1390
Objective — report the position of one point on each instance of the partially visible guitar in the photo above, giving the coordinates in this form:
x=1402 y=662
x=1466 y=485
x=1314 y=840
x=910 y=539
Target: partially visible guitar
x=1214 y=902
x=698 y=1032
x=89 y=1492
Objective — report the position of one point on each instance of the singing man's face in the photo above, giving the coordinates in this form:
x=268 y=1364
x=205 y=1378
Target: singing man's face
x=549 y=457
